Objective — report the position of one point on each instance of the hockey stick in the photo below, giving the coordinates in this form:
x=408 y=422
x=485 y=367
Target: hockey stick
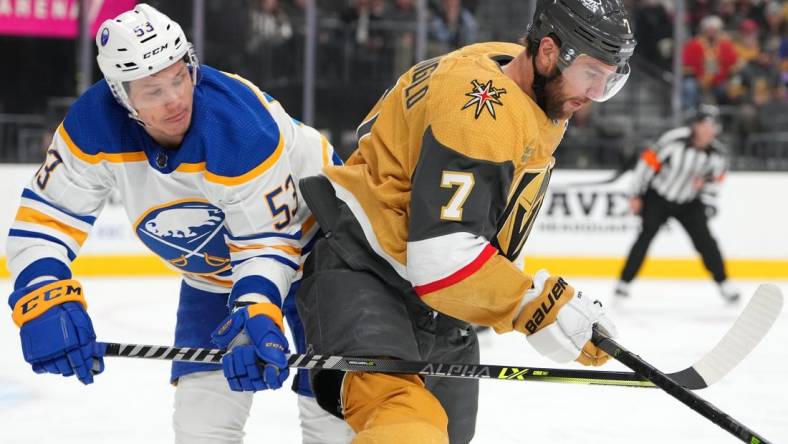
x=686 y=397
x=746 y=332
x=750 y=327
x=753 y=323
x=468 y=371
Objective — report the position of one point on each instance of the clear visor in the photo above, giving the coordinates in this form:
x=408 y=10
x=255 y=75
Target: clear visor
x=170 y=85
x=588 y=77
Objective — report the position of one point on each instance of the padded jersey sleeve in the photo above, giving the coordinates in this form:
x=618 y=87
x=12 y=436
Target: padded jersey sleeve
x=58 y=207
x=460 y=188
x=266 y=221
x=308 y=151
x=263 y=235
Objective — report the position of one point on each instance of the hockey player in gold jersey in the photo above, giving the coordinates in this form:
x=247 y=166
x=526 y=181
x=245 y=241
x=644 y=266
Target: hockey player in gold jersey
x=425 y=223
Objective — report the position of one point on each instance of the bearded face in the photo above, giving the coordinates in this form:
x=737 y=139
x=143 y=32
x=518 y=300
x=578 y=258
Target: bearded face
x=561 y=104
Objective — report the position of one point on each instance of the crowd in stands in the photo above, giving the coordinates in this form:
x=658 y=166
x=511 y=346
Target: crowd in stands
x=735 y=53
x=736 y=56
x=737 y=50
x=370 y=38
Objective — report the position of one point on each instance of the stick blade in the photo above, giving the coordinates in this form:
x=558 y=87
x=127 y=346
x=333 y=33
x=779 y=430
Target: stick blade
x=753 y=324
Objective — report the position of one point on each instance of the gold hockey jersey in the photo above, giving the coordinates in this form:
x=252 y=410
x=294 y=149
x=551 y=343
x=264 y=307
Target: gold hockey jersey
x=450 y=171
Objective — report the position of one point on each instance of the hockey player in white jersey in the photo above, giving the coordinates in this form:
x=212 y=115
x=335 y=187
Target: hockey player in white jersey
x=206 y=165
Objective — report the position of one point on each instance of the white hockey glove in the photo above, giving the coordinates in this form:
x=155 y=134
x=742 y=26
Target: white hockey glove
x=558 y=321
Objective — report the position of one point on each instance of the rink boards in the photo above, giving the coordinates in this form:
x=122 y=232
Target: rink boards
x=583 y=229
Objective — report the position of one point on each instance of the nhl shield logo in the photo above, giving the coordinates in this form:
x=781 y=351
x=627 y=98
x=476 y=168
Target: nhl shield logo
x=484 y=97
x=187 y=234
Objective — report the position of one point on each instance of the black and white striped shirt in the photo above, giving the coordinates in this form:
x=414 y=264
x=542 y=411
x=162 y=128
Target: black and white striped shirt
x=678 y=171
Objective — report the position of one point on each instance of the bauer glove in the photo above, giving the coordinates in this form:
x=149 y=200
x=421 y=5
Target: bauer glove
x=252 y=334
x=558 y=321
x=56 y=332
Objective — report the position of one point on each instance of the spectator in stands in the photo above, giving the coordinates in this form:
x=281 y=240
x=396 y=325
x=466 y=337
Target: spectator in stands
x=268 y=43
x=404 y=12
x=762 y=77
x=775 y=27
x=223 y=21
x=269 y=24
x=697 y=10
x=502 y=21
x=747 y=42
x=755 y=86
x=654 y=32
x=783 y=63
x=731 y=19
x=451 y=26
x=360 y=14
x=295 y=9
x=750 y=9
x=373 y=53
x=709 y=60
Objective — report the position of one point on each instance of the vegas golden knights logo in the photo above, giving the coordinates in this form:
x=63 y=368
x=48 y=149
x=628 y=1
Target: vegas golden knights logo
x=484 y=97
x=517 y=219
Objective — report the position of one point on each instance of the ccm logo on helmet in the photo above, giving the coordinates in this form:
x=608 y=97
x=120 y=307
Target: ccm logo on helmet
x=546 y=307
x=155 y=51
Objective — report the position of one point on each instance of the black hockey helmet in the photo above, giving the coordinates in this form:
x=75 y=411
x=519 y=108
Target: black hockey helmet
x=593 y=28
x=598 y=28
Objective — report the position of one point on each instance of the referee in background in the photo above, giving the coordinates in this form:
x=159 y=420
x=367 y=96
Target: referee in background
x=677 y=178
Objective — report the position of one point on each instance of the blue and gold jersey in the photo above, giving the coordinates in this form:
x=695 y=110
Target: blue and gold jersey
x=223 y=209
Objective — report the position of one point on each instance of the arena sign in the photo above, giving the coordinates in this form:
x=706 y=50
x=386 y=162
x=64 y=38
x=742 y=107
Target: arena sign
x=583 y=229
x=54 y=18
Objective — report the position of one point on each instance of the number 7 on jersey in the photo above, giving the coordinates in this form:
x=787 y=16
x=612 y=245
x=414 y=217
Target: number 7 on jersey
x=464 y=183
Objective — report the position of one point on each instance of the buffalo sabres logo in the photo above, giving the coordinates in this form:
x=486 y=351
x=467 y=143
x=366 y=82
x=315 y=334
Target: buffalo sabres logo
x=187 y=234
x=484 y=97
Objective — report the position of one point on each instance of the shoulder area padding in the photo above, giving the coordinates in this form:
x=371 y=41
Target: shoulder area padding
x=477 y=110
x=241 y=138
x=97 y=128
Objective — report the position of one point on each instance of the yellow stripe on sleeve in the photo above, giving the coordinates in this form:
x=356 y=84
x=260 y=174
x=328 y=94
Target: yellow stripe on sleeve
x=284 y=248
x=308 y=224
x=26 y=214
x=226 y=283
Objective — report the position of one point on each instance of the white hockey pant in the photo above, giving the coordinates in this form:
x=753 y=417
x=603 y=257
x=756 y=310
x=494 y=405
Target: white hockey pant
x=207 y=411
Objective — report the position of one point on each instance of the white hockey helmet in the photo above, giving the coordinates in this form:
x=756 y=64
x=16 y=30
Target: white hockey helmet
x=139 y=43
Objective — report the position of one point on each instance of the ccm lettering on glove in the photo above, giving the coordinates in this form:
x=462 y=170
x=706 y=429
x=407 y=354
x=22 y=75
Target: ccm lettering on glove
x=257 y=348
x=558 y=321
x=56 y=332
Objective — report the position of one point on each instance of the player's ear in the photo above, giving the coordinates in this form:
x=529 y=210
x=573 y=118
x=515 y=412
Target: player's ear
x=547 y=56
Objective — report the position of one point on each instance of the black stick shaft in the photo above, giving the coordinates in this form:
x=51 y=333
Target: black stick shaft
x=468 y=371
x=691 y=400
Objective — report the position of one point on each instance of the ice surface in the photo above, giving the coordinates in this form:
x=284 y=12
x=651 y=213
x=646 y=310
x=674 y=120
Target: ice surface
x=669 y=323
